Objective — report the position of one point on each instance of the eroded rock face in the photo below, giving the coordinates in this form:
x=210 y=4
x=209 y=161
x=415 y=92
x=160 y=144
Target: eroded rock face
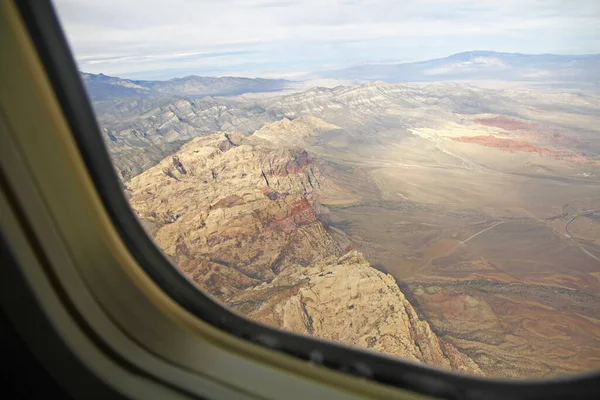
x=344 y=299
x=241 y=219
x=236 y=214
x=142 y=131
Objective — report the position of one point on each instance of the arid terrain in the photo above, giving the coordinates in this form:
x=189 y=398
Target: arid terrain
x=447 y=223
x=240 y=218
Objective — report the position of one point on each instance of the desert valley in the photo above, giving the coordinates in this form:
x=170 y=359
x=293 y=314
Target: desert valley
x=450 y=222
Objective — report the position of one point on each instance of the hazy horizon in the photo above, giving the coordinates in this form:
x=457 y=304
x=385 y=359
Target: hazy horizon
x=299 y=77
x=284 y=38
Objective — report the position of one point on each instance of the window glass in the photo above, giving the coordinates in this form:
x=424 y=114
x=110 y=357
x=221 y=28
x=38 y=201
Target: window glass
x=416 y=178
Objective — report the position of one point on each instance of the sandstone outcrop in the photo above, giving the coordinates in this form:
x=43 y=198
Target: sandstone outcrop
x=239 y=212
x=346 y=300
x=242 y=221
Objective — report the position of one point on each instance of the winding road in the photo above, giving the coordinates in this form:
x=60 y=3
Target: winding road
x=480 y=232
x=575 y=240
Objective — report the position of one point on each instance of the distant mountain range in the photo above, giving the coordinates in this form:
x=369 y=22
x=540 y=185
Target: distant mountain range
x=481 y=65
x=103 y=87
x=472 y=65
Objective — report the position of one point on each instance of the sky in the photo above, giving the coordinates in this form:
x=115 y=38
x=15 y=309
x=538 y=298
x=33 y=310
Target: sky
x=150 y=39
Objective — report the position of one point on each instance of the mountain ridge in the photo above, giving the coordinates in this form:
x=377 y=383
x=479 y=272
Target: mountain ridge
x=105 y=87
x=469 y=65
x=242 y=219
x=478 y=65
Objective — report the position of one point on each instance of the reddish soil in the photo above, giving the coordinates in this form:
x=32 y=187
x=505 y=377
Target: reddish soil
x=521 y=128
x=513 y=146
x=502 y=144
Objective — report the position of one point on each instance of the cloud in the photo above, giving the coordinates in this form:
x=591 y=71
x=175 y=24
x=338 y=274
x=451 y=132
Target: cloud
x=258 y=37
x=270 y=4
x=172 y=57
x=473 y=65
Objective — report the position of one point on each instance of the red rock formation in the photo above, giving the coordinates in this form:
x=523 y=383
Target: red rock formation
x=301 y=213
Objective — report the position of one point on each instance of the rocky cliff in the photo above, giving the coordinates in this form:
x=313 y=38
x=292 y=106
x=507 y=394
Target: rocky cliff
x=344 y=299
x=242 y=221
x=140 y=132
x=226 y=209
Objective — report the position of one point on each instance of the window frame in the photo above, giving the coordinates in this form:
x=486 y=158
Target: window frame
x=52 y=49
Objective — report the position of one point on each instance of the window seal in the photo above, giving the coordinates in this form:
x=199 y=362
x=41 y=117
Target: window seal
x=52 y=48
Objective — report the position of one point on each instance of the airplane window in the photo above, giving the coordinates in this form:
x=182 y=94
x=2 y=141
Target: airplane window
x=419 y=179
